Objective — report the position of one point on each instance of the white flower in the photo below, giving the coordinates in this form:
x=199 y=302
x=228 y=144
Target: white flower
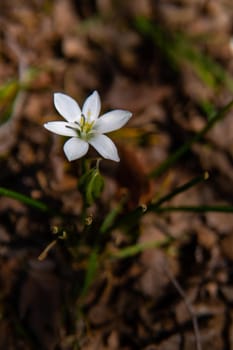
x=86 y=127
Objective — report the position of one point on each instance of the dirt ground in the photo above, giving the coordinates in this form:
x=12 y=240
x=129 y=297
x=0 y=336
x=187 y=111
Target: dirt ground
x=171 y=74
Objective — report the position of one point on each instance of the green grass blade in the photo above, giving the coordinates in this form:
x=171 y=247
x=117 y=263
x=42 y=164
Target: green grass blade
x=180 y=189
x=140 y=247
x=177 y=49
x=8 y=93
x=133 y=217
x=111 y=216
x=196 y=209
x=92 y=267
x=10 y=90
x=186 y=147
x=24 y=199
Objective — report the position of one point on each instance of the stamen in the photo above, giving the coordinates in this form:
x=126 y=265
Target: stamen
x=70 y=127
x=83 y=117
x=83 y=129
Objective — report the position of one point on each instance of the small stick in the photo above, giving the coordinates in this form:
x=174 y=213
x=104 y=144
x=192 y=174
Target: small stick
x=188 y=306
x=45 y=252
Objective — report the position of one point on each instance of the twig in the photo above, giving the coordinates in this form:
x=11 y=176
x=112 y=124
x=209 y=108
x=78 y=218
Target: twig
x=45 y=252
x=22 y=73
x=188 y=306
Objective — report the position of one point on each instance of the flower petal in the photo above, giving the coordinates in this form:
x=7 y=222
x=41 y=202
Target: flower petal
x=60 y=128
x=91 y=107
x=105 y=147
x=67 y=107
x=112 y=121
x=75 y=148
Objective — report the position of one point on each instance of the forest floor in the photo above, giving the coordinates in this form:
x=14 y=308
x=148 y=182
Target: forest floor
x=171 y=64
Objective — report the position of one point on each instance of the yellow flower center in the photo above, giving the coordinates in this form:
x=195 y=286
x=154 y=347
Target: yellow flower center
x=82 y=128
x=85 y=125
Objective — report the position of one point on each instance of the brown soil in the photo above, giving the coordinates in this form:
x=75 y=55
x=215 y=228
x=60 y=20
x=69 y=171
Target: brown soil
x=149 y=301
